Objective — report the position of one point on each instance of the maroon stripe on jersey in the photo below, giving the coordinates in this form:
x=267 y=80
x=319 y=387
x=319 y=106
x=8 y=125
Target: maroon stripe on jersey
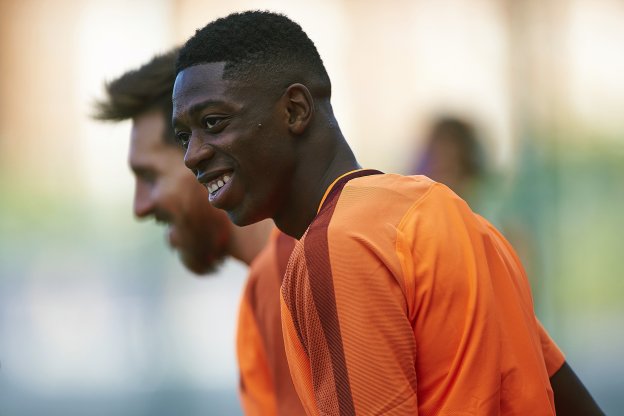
x=289 y=291
x=322 y=288
x=285 y=245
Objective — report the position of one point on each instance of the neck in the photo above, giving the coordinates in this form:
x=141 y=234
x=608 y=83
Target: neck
x=314 y=176
x=246 y=242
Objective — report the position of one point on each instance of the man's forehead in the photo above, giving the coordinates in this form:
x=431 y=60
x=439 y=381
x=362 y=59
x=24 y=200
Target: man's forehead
x=199 y=87
x=196 y=85
x=148 y=125
x=198 y=77
x=147 y=132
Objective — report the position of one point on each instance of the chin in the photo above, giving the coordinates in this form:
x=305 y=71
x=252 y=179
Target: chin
x=199 y=266
x=242 y=218
x=238 y=220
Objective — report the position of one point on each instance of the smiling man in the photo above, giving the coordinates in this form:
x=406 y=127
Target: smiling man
x=202 y=235
x=398 y=299
x=164 y=189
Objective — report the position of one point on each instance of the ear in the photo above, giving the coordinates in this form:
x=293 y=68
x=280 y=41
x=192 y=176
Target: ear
x=299 y=108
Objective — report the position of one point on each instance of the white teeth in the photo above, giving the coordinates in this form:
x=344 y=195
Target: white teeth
x=217 y=184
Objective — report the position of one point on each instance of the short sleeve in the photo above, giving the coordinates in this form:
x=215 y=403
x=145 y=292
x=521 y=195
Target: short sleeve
x=553 y=356
x=256 y=387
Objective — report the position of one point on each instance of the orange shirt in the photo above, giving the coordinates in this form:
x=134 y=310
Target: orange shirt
x=266 y=387
x=399 y=300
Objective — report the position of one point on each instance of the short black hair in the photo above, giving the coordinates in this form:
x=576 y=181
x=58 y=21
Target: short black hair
x=147 y=88
x=258 y=43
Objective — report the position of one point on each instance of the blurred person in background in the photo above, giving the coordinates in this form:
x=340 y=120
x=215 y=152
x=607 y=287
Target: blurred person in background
x=366 y=329
x=203 y=235
x=453 y=155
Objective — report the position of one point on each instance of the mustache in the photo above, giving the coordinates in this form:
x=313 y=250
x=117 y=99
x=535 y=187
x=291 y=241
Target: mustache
x=162 y=217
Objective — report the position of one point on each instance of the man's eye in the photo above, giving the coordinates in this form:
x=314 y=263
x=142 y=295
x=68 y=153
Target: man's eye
x=211 y=122
x=183 y=139
x=147 y=176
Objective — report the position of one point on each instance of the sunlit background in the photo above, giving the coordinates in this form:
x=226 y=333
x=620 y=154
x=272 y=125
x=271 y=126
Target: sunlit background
x=96 y=315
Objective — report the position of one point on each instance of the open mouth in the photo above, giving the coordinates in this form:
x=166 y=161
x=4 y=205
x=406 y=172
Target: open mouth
x=216 y=185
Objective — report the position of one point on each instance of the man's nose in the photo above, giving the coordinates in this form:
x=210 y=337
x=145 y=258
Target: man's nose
x=197 y=152
x=144 y=204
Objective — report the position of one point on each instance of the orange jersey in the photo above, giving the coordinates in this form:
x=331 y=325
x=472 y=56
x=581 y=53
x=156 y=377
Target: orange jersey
x=399 y=300
x=266 y=388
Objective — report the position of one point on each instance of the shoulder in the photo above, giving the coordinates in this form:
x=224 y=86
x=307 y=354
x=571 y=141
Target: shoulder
x=372 y=203
x=398 y=188
x=359 y=226
x=263 y=261
x=267 y=270
x=383 y=216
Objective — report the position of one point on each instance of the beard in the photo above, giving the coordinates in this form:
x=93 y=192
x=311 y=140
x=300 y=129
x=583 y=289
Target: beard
x=201 y=264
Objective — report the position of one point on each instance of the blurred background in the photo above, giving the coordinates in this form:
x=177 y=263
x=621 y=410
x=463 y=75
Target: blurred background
x=97 y=317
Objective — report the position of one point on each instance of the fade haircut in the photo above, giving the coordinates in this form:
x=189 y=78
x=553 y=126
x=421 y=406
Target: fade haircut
x=140 y=90
x=258 y=45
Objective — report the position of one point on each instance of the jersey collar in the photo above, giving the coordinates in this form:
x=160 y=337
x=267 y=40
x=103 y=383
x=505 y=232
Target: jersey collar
x=341 y=180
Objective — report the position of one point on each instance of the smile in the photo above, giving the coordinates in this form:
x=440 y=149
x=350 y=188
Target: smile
x=218 y=183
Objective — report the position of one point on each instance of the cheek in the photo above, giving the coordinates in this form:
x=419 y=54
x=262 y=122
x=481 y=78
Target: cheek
x=185 y=182
x=220 y=224
x=266 y=154
x=175 y=195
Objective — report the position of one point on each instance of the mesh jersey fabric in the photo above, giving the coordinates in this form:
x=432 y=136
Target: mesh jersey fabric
x=400 y=300
x=266 y=388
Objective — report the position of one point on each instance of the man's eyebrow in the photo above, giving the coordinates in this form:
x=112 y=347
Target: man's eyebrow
x=196 y=108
